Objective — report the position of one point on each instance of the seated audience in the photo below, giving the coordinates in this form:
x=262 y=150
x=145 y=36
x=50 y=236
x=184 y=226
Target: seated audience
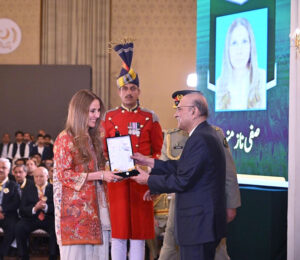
x=37 y=212
x=20 y=161
x=31 y=166
x=42 y=132
x=37 y=158
x=20 y=173
x=48 y=163
x=28 y=142
x=32 y=137
x=50 y=177
x=4 y=145
x=18 y=149
x=9 y=203
x=43 y=150
x=48 y=140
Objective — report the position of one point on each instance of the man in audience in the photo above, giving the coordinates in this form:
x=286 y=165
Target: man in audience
x=48 y=140
x=50 y=178
x=20 y=173
x=4 y=146
x=20 y=161
x=37 y=212
x=9 y=203
x=31 y=166
x=43 y=150
x=32 y=137
x=42 y=132
x=48 y=163
x=37 y=158
x=28 y=142
x=18 y=149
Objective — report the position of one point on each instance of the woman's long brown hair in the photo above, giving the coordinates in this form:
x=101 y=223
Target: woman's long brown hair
x=77 y=126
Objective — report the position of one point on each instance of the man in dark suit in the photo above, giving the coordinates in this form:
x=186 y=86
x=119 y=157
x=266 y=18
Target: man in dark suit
x=9 y=203
x=20 y=173
x=198 y=178
x=37 y=212
x=41 y=149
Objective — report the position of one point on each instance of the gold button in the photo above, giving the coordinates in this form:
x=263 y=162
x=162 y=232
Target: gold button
x=135 y=111
x=142 y=126
x=123 y=111
x=147 y=118
x=136 y=145
x=109 y=118
x=116 y=127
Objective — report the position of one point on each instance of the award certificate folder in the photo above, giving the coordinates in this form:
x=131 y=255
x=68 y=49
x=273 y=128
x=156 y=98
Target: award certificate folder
x=119 y=151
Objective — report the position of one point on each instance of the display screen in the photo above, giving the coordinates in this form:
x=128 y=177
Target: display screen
x=241 y=61
x=245 y=78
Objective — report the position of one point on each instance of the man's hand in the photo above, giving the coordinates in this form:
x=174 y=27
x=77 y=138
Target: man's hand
x=143 y=160
x=147 y=196
x=40 y=205
x=231 y=213
x=142 y=178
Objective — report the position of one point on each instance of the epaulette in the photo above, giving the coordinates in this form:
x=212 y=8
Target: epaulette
x=113 y=111
x=225 y=143
x=154 y=116
x=218 y=129
x=173 y=130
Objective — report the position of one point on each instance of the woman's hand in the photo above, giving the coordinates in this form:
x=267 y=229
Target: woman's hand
x=107 y=176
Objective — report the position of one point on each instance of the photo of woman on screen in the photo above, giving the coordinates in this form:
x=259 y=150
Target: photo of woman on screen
x=241 y=85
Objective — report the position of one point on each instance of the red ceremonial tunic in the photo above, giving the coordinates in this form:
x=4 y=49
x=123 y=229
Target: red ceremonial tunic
x=131 y=216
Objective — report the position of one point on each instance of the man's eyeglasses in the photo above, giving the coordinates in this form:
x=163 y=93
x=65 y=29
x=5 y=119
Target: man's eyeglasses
x=180 y=108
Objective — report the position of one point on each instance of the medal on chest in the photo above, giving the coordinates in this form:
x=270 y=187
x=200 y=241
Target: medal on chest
x=134 y=128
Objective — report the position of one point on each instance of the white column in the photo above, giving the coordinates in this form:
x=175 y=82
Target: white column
x=294 y=143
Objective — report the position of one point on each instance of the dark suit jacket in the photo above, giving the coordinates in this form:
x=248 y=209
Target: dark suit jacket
x=30 y=198
x=29 y=183
x=15 y=148
x=198 y=178
x=47 y=152
x=11 y=199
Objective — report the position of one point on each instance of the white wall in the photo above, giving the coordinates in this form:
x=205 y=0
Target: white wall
x=294 y=144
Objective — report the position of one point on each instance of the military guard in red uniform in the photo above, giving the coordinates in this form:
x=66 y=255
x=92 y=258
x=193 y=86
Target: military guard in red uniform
x=131 y=217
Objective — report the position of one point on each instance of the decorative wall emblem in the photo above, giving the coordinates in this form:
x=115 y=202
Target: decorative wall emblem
x=10 y=36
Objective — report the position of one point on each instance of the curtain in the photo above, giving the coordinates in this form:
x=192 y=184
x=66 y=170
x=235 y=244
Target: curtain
x=76 y=32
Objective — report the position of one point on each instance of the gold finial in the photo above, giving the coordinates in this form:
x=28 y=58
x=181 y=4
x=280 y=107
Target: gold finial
x=125 y=40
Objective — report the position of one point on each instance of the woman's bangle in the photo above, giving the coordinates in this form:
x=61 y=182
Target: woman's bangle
x=102 y=176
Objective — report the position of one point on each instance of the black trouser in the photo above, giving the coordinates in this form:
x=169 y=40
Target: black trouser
x=26 y=226
x=8 y=225
x=204 y=251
